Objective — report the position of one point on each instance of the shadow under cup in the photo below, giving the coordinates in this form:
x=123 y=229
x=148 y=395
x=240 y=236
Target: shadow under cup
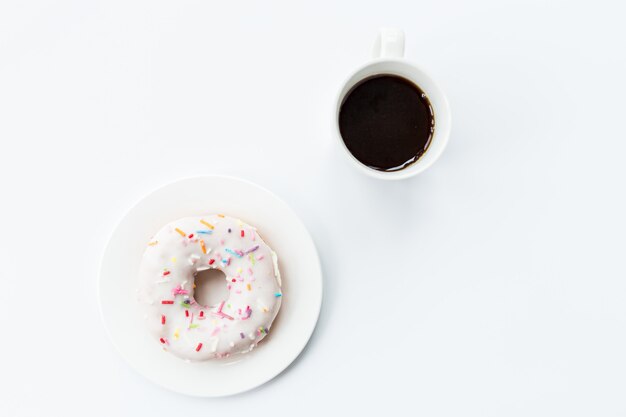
x=392 y=120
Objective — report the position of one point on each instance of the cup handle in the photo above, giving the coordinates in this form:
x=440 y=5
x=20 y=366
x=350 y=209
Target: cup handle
x=389 y=43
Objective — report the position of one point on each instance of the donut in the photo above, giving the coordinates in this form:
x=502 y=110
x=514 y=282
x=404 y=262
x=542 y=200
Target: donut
x=174 y=256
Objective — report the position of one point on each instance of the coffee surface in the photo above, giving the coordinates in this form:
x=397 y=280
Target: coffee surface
x=386 y=122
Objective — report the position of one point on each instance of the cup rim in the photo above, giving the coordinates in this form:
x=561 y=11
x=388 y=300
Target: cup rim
x=442 y=119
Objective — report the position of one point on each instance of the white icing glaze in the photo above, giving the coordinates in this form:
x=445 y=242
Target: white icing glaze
x=166 y=285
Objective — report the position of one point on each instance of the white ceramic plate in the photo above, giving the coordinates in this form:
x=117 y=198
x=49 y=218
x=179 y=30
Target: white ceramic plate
x=279 y=227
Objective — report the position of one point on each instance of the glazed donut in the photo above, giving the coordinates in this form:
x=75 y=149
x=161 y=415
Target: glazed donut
x=166 y=287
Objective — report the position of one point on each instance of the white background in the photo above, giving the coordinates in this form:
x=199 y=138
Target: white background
x=492 y=285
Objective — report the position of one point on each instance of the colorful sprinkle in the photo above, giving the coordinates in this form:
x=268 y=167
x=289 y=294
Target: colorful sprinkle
x=173 y=259
x=167 y=302
x=194 y=326
x=243 y=233
x=165 y=273
x=180 y=232
x=190 y=236
x=220 y=215
x=186 y=313
x=278 y=294
x=185 y=303
x=249 y=287
x=209 y=225
x=204 y=232
x=156 y=242
x=252 y=249
x=163 y=340
x=211 y=261
x=176 y=334
x=251 y=256
x=238 y=254
x=248 y=313
x=178 y=290
x=220 y=313
x=198 y=347
x=203 y=246
x=262 y=306
x=162 y=319
x=202 y=314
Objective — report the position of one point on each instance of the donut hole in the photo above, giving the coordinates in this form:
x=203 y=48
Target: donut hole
x=210 y=287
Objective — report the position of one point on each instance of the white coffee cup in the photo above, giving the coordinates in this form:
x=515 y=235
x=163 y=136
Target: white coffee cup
x=389 y=59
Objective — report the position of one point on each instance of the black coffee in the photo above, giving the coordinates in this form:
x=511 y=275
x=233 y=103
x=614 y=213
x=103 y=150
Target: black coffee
x=386 y=122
